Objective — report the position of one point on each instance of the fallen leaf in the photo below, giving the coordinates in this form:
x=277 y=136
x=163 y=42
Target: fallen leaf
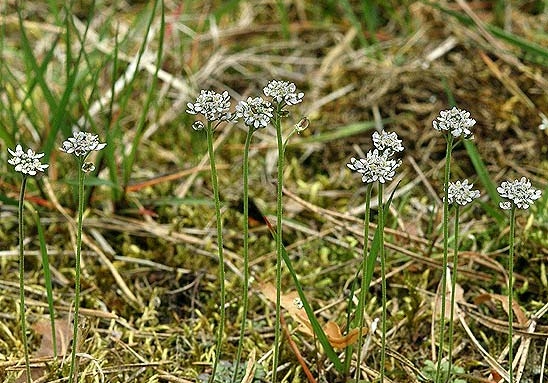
x=459 y=297
x=293 y=304
x=63 y=334
x=503 y=299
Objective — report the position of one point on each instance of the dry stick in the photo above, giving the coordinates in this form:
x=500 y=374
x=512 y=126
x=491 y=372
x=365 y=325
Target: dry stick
x=296 y=351
x=117 y=277
x=488 y=358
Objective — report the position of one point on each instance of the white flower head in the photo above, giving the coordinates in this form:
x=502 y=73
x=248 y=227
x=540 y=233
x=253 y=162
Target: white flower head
x=375 y=167
x=461 y=193
x=212 y=105
x=455 y=121
x=387 y=142
x=519 y=193
x=81 y=144
x=256 y=112
x=28 y=162
x=283 y=92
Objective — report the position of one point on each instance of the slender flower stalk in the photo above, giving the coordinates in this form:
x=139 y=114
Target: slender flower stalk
x=516 y=194
x=363 y=287
x=256 y=113
x=459 y=194
x=214 y=107
x=283 y=94
x=81 y=144
x=380 y=224
x=378 y=166
x=28 y=164
x=455 y=124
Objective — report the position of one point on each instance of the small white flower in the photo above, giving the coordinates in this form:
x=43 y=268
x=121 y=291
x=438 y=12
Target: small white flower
x=375 y=167
x=388 y=142
x=455 y=121
x=298 y=303
x=88 y=167
x=212 y=105
x=518 y=192
x=26 y=162
x=81 y=144
x=283 y=92
x=256 y=112
x=506 y=205
x=461 y=193
x=198 y=125
x=544 y=124
x=302 y=125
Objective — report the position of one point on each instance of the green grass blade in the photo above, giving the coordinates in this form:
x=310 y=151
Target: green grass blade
x=318 y=330
x=376 y=245
x=354 y=20
x=483 y=175
x=130 y=160
x=339 y=133
x=531 y=51
x=47 y=278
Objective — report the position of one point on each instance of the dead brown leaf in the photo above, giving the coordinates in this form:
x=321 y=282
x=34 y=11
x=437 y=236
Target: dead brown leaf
x=292 y=303
x=503 y=299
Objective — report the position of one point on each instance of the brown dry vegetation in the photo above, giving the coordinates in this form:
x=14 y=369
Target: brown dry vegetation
x=150 y=271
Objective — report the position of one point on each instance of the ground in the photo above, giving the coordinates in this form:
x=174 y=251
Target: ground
x=150 y=269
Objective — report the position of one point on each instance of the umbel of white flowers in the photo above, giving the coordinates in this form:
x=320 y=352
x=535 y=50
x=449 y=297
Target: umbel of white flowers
x=461 y=193
x=283 y=92
x=519 y=193
x=256 y=112
x=81 y=144
x=378 y=164
x=455 y=121
x=26 y=163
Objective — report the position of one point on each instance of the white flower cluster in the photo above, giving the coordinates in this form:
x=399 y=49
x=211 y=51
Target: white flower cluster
x=378 y=164
x=212 y=105
x=81 y=144
x=461 y=193
x=387 y=142
x=455 y=121
x=256 y=112
x=28 y=162
x=519 y=193
x=283 y=92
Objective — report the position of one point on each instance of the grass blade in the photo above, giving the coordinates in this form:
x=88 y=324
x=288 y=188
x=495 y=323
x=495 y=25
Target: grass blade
x=318 y=330
x=47 y=278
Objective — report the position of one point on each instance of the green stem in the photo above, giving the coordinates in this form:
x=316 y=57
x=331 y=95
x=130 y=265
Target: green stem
x=380 y=223
x=363 y=287
x=445 y=250
x=245 y=251
x=77 y=270
x=453 y=286
x=511 y=292
x=279 y=243
x=22 y=278
x=215 y=185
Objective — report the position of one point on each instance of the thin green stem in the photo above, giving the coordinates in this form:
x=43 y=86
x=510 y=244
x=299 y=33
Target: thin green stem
x=215 y=185
x=380 y=224
x=245 y=251
x=363 y=287
x=445 y=250
x=279 y=243
x=453 y=286
x=511 y=293
x=23 y=318
x=77 y=270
